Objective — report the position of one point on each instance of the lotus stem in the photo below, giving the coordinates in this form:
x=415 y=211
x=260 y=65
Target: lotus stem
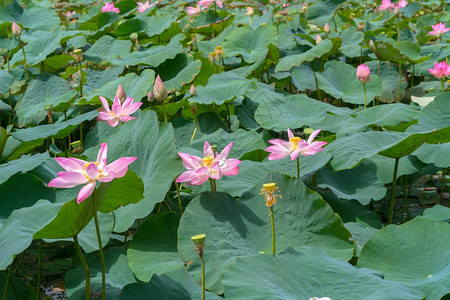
x=213 y=184
x=164 y=112
x=195 y=129
x=7 y=282
x=298 y=167
x=85 y=268
x=405 y=198
x=272 y=220
x=394 y=184
x=177 y=187
x=319 y=94
x=99 y=238
x=442 y=85
x=412 y=76
x=38 y=287
x=202 y=259
x=400 y=64
x=443 y=184
x=365 y=96
x=24 y=57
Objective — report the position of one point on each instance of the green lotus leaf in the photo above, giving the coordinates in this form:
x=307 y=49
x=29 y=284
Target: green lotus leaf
x=34 y=17
x=322 y=10
x=434 y=116
x=419 y=249
x=221 y=88
x=288 y=62
x=88 y=236
x=302 y=77
x=153 y=56
x=107 y=48
x=294 y=275
x=106 y=21
x=242 y=227
x=18 y=230
x=437 y=213
x=118 y=275
x=6 y=81
x=20 y=288
x=412 y=52
x=351 y=42
x=174 y=284
x=182 y=70
x=97 y=79
x=357 y=183
x=45 y=90
x=436 y=154
x=157 y=163
x=153 y=249
x=339 y=80
x=387 y=52
x=249 y=43
x=73 y=217
x=360 y=233
x=130 y=26
x=211 y=22
x=24 y=164
x=437 y=51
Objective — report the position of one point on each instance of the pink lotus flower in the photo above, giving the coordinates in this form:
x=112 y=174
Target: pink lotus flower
x=401 y=4
x=212 y=165
x=70 y=13
x=386 y=5
x=439 y=29
x=109 y=6
x=118 y=112
x=441 y=70
x=363 y=73
x=83 y=172
x=194 y=10
x=207 y=3
x=142 y=7
x=281 y=149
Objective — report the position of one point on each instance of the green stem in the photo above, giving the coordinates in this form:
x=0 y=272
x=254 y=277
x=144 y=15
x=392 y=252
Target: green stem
x=442 y=85
x=405 y=199
x=319 y=94
x=177 y=186
x=203 y=276
x=38 y=288
x=87 y=286
x=272 y=220
x=99 y=238
x=6 y=284
x=365 y=96
x=394 y=184
x=443 y=185
x=399 y=65
x=412 y=77
x=298 y=167
x=195 y=129
x=81 y=129
x=164 y=112
x=213 y=184
x=24 y=57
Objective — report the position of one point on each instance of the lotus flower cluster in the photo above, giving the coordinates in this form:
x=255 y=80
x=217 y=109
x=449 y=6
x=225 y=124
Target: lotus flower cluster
x=142 y=7
x=388 y=5
x=212 y=165
x=109 y=6
x=440 y=70
x=363 y=73
x=82 y=172
x=438 y=29
x=281 y=149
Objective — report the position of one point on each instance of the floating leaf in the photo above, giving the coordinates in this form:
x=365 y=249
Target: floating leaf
x=106 y=48
x=24 y=164
x=288 y=62
x=6 y=81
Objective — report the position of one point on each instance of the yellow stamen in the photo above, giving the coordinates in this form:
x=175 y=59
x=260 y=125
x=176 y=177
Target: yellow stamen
x=208 y=160
x=294 y=142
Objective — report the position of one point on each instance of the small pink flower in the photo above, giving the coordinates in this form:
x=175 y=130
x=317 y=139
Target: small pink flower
x=142 y=7
x=109 y=6
x=83 y=172
x=193 y=10
x=326 y=28
x=16 y=30
x=211 y=165
x=70 y=13
x=439 y=29
x=207 y=3
x=281 y=149
x=318 y=39
x=118 y=112
x=363 y=73
x=440 y=70
x=401 y=4
x=386 y=5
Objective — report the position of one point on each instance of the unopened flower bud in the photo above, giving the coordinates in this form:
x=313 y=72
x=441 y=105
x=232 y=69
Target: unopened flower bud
x=150 y=96
x=120 y=93
x=326 y=28
x=193 y=91
x=250 y=11
x=363 y=73
x=16 y=30
x=318 y=39
x=159 y=90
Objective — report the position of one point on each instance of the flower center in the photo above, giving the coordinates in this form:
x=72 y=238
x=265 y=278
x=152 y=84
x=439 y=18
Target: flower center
x=208 y=161
x=269 y=187
x=83 y=171
x=294 y=142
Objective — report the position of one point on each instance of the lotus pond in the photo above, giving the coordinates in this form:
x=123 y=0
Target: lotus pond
x=224 y=149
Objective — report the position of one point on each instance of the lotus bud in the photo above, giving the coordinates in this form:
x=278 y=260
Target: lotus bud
x=199 y=243
x=250 y=11
x=159 y=90
x=193 y=91
x=150 y=96
x=363 y=73
x=120 y=93
x=318 y=39
x=326 y=28
x=16 y=30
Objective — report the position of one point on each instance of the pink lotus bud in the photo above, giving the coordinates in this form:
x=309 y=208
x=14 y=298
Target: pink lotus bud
x=16 y=30
x=318 y=39
x=159 y=90
x=150 y=97
x=250 y=11
x=326 y=28
x=120 y=93
x=363 y=73
x=193 y=91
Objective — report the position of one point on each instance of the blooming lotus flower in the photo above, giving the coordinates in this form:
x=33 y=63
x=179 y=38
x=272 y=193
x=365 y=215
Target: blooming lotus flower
x=441 y=70
x=401 y=4
x=207 y=3
x=438 y=29
x=194 y=10
x=386 y=5
x=142 y=7
x=212 y=165
x=16 y=30
x=109 y=6
x=82 y=172
x=363 y=73
x=281 y=149
x=118 y=112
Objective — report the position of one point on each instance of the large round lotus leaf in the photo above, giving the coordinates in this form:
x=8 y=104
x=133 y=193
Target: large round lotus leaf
x=415 y=253
x=176 y=284
x=6 y=80
x=105 y=48
x=386 y=52
x=249 y=43
x=351 y=42
x=339 y=80
x=360 y=234
x=306 y=274
x=153 y=249
x=322 y=10
x=20 y=287
x=157 y=162
x=24 y=164
x=434 y=116
x=288 y=62
x=358 y=183
x=302 y=77
x=221 y=88
x=118 y=275
x=242 y=227
x=96 y=79
x=34 y=17
x=182 y=70
x=437 y=213
x=211 y=22
x=152 y=56
x=17 y=232
x=411 y=51
x=437 y=154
